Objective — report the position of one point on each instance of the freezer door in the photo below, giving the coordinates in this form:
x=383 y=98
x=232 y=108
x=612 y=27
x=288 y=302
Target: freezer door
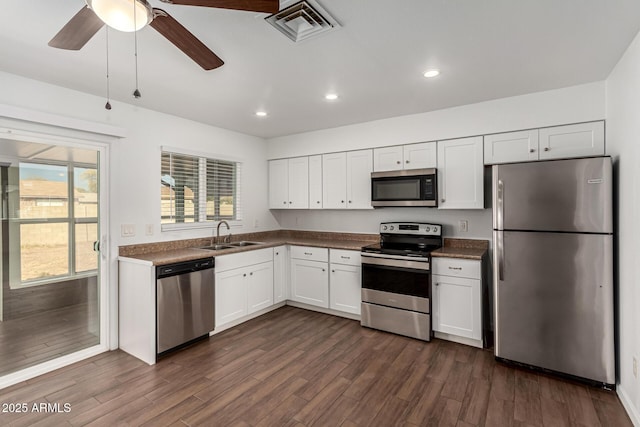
x=561 y=195
x=554 y=302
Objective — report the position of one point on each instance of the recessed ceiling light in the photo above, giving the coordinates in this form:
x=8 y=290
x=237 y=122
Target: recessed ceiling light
x=261 y=113
x=331 y=96
x=431 y=73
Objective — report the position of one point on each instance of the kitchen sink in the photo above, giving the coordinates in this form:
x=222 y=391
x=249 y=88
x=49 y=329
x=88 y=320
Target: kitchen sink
x=245 y=243
x=217 y=247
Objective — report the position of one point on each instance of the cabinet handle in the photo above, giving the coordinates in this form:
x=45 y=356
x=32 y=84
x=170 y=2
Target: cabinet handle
x=251 y=274
x=441 y=200
x=333 y=271
x=318 y=202
x=345 y=257
x=284 y=203
x=547 y=148
x=398 y=162
x=341 y=201
x=455 y=268
x=324 y=269
x=308 y=253
x=244 y=275
x=349 y=201
x=290 y=202
x=277 y=253
x=437 y=284
x=407 y=161
x=531 y=150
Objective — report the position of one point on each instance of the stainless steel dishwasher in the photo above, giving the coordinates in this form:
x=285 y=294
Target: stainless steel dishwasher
x=185 y=301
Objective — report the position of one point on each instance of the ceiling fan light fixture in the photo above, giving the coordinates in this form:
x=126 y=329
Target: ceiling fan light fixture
x=120 y=15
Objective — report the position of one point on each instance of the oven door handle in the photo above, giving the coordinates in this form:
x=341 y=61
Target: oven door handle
x=377 y=260
x=400 y=257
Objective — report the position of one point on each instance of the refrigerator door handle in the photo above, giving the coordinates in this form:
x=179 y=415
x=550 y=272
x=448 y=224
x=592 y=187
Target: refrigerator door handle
x=500 y=205
x=500 y=248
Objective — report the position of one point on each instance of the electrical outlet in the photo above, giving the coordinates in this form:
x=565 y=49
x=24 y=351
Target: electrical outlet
x=255 y=223
x=149 y=229
x=635 y=367
x=463 y=225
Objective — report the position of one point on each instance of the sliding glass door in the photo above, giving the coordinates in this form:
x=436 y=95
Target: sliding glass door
x=51 y=267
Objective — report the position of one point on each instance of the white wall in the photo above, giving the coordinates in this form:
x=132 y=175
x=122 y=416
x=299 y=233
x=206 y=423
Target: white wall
x=623 y=137
x=569 y=105
x=135 y=160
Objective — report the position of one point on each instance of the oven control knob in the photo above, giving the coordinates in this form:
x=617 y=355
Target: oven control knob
x=384 y=227
x=391 y=228
x=435 y=229
x=428 y=229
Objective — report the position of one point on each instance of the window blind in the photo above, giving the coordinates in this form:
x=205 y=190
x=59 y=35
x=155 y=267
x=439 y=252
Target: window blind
x=198 y=189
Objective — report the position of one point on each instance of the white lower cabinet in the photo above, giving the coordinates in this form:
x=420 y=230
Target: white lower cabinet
x=244 y=284
x=456 y=299
x=280 y=274
x=310 y=275
x=345 y=281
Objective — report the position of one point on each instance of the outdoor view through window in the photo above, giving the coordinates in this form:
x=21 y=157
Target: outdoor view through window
x=58 y=220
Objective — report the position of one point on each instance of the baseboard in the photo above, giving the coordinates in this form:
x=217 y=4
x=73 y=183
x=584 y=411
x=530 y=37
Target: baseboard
x=632 y=411
x=459 y=340
x=324 y=310
x=243 y=319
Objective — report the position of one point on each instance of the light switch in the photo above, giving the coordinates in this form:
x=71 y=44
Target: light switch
x=128 y=230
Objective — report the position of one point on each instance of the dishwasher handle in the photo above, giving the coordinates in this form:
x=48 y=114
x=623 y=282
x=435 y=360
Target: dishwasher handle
x=184 y=267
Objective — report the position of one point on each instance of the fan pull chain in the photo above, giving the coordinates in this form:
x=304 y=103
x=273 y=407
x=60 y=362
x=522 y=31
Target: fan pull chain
x=136 y=93
x=108 y=104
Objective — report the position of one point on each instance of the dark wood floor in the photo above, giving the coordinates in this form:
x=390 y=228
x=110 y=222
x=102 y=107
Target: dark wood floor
x=294 y=367
x=47 y=335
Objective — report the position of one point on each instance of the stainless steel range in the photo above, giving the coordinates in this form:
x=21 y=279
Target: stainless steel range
x=396 y=279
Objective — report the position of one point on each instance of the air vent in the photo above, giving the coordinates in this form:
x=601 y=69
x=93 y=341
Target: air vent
x=303 y=20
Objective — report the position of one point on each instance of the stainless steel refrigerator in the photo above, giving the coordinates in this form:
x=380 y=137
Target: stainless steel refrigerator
x=553 y=266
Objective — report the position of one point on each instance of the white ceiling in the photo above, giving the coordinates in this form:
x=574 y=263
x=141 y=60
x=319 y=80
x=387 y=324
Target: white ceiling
x=485 y=49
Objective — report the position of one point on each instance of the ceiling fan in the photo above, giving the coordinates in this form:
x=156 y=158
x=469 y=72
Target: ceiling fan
x=132 y=15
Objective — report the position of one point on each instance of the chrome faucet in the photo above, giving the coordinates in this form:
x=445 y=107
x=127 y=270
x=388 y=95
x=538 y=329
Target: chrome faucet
x=228 y=238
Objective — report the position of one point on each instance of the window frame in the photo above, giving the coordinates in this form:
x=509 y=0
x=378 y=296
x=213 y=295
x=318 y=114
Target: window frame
x=15 y=244
x=202 y=221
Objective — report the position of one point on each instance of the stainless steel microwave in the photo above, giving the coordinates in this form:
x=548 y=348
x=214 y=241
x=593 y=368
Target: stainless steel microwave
x=417 y=187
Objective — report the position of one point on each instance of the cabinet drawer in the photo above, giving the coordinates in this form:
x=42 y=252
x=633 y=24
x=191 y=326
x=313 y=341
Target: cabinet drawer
x=310 y=253
x=340 y=256
x=456 y=267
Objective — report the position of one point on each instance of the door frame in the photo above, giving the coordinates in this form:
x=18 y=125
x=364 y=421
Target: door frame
x=81 y=137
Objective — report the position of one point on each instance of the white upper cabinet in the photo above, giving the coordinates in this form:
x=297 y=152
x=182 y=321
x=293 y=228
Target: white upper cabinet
x=557 y=142
x=411 y=156
x=359 y=167
x=289 y=183
x=279 y=184
x=299 y=183
x=420 y=156
x=315 y=182
x=461 y=174
x=346 y=180
x=334 y=179
x=580 y=140
x=510 y=147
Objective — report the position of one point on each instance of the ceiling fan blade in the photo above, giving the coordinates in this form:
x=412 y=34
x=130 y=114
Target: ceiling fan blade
x=266 y=6
x=78 y=31
x=173 y=31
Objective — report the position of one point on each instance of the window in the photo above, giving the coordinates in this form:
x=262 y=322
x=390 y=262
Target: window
x=53 y=222
x=198 y=189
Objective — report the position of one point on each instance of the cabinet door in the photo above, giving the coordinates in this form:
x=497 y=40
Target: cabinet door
x=298 y=180
x=387 y=158
x=278 y=184
x=315 y=182
x=280 y=274
x=581 y=140
x=511 y=147
x=231 y=295
x=344 y=288
x=310 y=282
x=461 y=174
x=260 y=286
x=334 y=181
x=359 y=167
x=420 y=156
x=456 y=306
